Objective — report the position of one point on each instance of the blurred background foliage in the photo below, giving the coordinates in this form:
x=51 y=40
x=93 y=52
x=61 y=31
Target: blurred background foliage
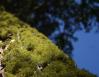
x=57 y=19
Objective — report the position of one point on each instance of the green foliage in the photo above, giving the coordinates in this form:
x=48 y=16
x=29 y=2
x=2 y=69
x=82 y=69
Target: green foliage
x=55 y=69
x=9 y=75
x=85 y=73
x=27 y=49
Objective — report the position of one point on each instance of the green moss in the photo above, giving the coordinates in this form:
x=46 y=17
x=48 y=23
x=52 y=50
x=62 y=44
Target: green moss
x=28 y=48
x=55 y=69
x=9 y=75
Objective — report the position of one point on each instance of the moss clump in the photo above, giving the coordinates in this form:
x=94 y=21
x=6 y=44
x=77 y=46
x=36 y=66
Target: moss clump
x=29 y=53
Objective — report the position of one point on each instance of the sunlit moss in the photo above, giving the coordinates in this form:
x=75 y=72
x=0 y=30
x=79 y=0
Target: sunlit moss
x=28 y=49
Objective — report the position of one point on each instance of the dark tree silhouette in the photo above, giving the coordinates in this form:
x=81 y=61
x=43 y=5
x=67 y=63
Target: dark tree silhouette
x=57 y=19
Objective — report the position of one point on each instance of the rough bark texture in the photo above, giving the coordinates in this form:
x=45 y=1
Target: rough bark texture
x=28 y=53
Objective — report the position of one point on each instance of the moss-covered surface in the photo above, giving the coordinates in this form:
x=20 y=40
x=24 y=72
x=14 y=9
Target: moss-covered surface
x=28 y=49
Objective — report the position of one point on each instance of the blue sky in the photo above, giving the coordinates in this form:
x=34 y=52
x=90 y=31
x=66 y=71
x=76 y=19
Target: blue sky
x=86 y=51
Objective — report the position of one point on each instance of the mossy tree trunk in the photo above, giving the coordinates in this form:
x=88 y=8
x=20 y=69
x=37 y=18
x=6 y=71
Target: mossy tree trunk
x=28 y=53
